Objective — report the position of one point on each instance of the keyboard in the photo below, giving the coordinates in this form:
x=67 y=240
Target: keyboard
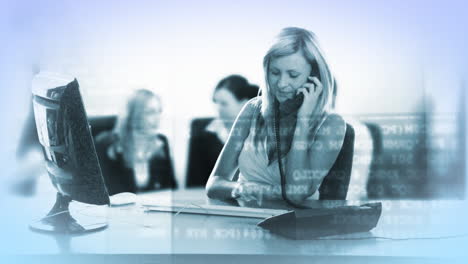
x=206 y=209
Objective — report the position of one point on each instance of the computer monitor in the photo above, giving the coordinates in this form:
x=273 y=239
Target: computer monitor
x=70 y=155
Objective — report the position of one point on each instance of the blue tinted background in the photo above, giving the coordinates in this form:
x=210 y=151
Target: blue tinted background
x=388 y=56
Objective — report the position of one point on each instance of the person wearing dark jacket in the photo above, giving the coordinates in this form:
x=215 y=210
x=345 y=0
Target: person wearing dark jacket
x=134 y=156
x=208 y=135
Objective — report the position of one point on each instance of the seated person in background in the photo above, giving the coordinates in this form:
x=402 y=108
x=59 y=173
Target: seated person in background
x=134 y=156
x=294 y=65
x=230 y=95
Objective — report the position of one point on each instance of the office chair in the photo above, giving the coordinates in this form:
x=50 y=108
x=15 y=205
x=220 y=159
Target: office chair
x=101 y=123
x=335 y=185
x=376 y=162
x=203 y=151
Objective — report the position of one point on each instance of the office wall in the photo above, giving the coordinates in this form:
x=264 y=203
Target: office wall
x=388 y=57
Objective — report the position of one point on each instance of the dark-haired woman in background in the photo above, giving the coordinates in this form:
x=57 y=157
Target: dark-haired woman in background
x=134 y=156
x=209 y=135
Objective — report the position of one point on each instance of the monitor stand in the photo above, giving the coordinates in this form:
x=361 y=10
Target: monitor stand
x=60 y=221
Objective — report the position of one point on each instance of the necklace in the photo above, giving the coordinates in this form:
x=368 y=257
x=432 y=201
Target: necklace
x=142 y=148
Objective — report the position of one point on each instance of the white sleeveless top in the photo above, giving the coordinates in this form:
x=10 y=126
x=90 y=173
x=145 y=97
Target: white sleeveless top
x=253 y=164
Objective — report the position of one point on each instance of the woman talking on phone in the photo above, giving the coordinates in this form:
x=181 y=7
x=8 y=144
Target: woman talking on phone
x=285 y=142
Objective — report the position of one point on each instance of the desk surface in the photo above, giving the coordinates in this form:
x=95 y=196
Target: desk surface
x=133 y=231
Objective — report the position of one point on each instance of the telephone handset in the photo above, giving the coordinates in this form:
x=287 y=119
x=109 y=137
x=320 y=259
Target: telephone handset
x=287 y=107
x=293 y=104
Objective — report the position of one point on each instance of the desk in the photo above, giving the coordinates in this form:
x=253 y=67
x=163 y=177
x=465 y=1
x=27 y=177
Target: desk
x=133 y=231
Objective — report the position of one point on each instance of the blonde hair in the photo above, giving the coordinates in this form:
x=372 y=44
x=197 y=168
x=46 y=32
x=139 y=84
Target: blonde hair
x=125 y=124
x=289 y=41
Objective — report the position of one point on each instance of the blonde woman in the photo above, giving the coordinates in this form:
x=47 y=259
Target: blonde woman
x=134 y=156
x=304 y=132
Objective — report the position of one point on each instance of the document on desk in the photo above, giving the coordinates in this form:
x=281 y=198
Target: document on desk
x=207 y=209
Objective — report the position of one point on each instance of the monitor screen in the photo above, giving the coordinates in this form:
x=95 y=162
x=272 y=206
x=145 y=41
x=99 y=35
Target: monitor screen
x=64 y=133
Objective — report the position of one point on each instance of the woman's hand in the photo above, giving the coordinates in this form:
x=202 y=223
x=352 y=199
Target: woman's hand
x=250 y=191
x=258 y=195
x=311 y=91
